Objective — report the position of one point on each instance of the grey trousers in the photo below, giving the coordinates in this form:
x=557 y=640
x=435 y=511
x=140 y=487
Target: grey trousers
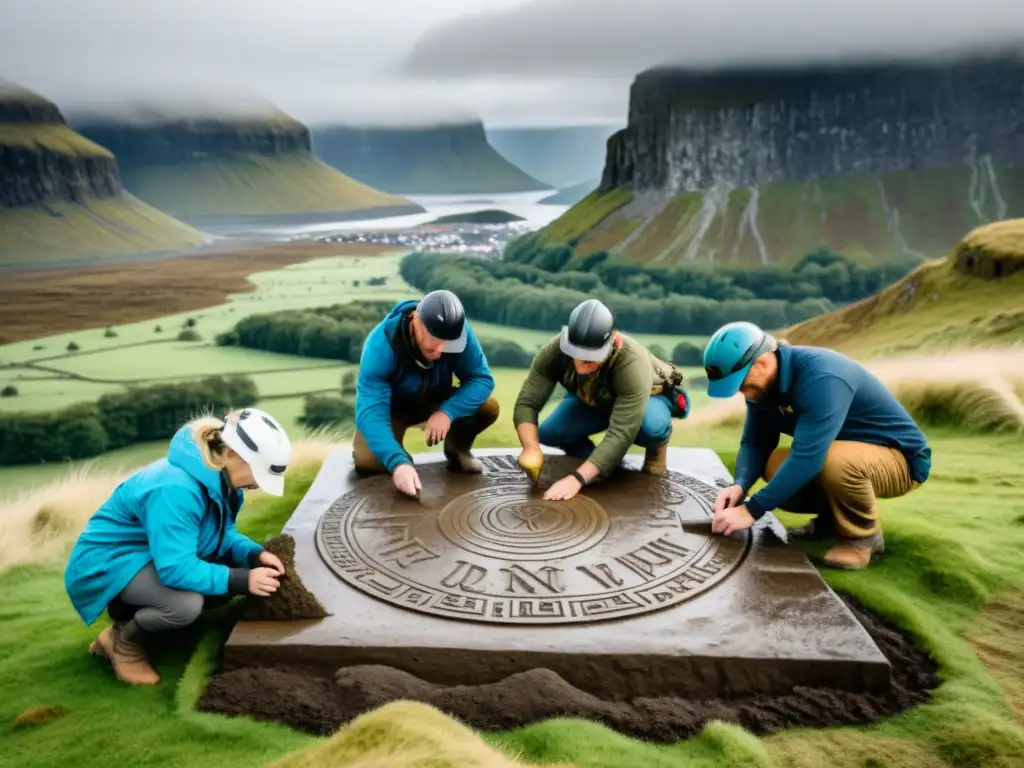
x=156 y=607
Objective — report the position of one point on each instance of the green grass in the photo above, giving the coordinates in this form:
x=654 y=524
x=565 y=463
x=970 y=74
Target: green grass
x=55 y=137
x=947 y=556
x=296 y=182
x=585 y=215
x=485 y=216
x=98 y=229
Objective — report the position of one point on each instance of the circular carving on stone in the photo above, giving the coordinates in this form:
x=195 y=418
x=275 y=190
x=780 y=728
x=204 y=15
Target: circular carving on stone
x=499 y=522
x=489 y=548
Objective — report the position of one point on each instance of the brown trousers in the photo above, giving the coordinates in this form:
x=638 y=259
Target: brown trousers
x=459 y=440
x=854 y=476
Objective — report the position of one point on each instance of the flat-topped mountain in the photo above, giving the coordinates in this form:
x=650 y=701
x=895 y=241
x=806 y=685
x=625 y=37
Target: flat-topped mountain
x=204 y=166
x=874 y=161
x=61 y=195
x=435 y=159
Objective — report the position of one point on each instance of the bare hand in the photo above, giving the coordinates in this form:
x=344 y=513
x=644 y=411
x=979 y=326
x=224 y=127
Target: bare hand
x=271 y=560
x=406 y=479
x=263 y=581
x=531 y=460
x=732 y=519
x=564 y=489
x=729 y=497
x=436 y=428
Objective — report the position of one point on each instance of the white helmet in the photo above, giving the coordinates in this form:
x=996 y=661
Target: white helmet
x=261 y=441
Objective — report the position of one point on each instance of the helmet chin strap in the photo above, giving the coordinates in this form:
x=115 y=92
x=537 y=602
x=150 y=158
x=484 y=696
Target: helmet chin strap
x=410 y=339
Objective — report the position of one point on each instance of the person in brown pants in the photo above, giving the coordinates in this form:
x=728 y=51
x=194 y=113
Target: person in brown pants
x=406 y=372
x=853 y=441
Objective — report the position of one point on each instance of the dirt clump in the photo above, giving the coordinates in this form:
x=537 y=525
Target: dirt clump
x=321 y=704
x=292 y=601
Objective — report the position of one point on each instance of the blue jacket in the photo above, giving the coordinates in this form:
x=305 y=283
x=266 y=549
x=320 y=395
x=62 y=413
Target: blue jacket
x=821 y=396
x=387 y=375
x=174 y=513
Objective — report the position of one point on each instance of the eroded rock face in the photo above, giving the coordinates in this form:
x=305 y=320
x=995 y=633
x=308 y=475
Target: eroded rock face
x=692 y=131
x=42 y=160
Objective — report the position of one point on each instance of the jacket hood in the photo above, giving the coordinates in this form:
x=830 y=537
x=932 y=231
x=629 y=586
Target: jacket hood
x=401 y=308
x=184 y=454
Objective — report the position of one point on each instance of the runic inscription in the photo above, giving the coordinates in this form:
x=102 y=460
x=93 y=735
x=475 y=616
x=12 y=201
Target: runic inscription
x=490 y=548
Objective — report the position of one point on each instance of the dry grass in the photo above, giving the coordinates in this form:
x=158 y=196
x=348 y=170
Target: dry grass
x=975 y=390
x=403 y=734
x=38 y=526
x=129 y=292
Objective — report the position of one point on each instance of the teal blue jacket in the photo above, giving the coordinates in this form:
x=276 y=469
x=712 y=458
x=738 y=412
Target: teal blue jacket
x=821 y=396
x=178 y=514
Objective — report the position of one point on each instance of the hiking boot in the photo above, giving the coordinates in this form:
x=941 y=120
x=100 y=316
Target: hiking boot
x=852 y=554
x=127 y=657
x=656 y=460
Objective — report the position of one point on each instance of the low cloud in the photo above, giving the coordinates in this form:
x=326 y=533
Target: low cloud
x=617 y=38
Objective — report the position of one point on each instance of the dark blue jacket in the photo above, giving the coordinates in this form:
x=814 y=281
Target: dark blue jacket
x=821 y=396
x=389 y=375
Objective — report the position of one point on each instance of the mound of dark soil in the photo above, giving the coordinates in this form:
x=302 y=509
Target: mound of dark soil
x=320 y=705
x=292 y=601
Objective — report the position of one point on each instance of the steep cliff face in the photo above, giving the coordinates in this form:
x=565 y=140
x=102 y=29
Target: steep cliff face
x=562 y=156
x=43 y=160
x=61 y=195
x=440 y=159
x=876 y=162
x=208 y=169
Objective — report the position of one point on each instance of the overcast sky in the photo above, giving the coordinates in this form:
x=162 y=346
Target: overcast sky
x=538 y=62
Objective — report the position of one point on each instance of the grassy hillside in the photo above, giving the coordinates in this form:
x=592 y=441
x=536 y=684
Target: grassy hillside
x=253 y=184
x=485 y=216
x=944 y=303
x=867 y=218
x=98 y=228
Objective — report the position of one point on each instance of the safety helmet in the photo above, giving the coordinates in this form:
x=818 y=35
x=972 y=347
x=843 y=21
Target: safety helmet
x=730 y=352
x=588 y=336
x=260 y=440
x=444 y=318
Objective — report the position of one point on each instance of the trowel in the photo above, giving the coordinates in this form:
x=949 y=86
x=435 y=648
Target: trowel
x=768 y=521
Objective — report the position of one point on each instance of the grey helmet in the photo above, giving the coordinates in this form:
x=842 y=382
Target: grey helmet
x=589 y=334
x=444 y=318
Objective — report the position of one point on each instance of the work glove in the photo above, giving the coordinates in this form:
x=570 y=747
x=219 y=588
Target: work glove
x=532 y=461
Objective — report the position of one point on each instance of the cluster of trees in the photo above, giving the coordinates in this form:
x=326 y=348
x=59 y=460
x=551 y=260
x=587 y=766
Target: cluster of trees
x=821 y=274
x=527 y=296
x=336 y=332
x=140 y=414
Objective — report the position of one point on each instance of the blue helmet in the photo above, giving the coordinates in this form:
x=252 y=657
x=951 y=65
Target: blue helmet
x=729 y=354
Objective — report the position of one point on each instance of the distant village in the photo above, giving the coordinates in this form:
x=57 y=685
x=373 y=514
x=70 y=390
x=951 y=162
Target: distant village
x=484 y=240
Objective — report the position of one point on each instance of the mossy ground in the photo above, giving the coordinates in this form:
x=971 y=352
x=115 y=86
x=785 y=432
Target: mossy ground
x=951 y=577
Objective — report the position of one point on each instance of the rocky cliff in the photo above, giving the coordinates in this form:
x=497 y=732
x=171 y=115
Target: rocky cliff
x=43 y=160
x=61 y=195
x=874 y=161
x=438 y=159
x=209 y=168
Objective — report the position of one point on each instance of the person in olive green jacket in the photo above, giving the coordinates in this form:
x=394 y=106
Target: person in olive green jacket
x=614 y=385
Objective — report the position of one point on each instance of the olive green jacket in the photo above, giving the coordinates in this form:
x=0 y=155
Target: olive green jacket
x=623 y=384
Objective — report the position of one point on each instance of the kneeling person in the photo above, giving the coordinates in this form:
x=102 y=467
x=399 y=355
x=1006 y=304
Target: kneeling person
x=614 y=385
x=405 y=379
x=853 y=441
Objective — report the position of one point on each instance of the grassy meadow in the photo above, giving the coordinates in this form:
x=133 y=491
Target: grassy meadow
x=951 y=578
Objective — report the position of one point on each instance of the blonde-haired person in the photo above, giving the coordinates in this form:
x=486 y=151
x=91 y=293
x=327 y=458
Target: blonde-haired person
x=165 y=545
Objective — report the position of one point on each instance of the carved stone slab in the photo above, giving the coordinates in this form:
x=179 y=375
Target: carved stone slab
x=480 y=578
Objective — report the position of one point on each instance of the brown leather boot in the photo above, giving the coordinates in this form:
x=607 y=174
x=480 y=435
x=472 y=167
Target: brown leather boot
x=656 y=460
x=127 y=657
x=853 y=554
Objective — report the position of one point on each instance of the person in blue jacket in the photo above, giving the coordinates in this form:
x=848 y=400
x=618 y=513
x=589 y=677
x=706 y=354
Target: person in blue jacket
x=164 y=545
x=405 y=380
x=853 y=441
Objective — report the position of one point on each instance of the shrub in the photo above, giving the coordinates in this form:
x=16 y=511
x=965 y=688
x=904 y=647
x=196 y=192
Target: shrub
x=72 y=346
x=9 y=391
x=502 y=353
x=110 y=333
x=187 y=334
x=686 y=353
x=321 y=411
x=348 y=383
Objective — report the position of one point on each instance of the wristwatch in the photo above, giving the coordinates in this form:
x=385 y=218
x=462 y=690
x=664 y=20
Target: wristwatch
x=579 y=477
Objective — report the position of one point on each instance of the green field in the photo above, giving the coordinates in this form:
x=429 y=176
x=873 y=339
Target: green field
x=48 y=377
